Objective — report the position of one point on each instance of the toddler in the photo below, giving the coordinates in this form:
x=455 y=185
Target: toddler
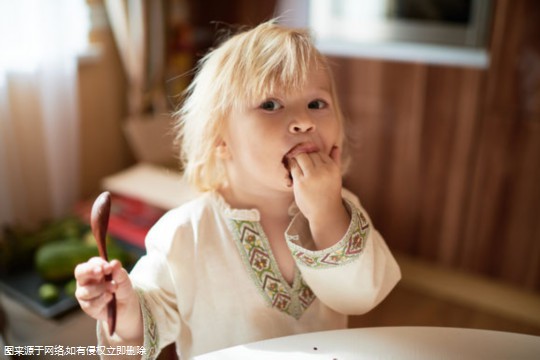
x=274 y=245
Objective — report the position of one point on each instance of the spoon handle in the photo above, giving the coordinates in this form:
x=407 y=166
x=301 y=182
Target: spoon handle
x=99 y=221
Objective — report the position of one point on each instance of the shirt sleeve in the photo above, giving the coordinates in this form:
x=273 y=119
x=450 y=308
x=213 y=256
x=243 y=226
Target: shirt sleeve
x=356 y=273
x=150 y=347
x=153 y=281
x=157 y=297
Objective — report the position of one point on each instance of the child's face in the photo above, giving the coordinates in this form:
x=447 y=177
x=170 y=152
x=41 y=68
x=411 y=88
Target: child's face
x=261 y=137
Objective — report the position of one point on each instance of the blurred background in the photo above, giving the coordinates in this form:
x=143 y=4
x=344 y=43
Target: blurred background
x=442 y=103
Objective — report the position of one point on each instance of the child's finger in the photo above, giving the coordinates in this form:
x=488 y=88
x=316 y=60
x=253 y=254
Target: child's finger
x=113 y=267
x=120 y=275
x=93 y=291
x=304 y=162
x=296 y=171
x=89 y=271
x=121 y=281
x=317 y=158
x=96 y=305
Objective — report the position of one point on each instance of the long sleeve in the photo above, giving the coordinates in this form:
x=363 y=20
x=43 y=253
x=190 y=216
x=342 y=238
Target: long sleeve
x=154 y=282
x=355 y=274
x=150 y=347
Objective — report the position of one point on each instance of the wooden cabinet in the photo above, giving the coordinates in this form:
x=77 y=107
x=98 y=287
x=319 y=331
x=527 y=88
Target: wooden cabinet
x=503 y=233
x=447 y=159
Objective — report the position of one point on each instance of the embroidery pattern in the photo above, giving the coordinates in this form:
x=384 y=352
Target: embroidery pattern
x=256 y=254
x=151 y=338
x=344 y=252
x=306 y=296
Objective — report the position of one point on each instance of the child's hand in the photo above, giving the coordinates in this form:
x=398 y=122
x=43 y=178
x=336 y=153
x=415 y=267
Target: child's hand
x=317 y=182
x=317 y=191
x=94 y=293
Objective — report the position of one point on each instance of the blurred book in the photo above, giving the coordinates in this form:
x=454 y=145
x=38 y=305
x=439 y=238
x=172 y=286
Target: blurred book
x=152 y=184
x=140 y=195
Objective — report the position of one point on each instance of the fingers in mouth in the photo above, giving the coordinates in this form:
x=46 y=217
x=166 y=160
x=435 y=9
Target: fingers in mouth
x=287 y=165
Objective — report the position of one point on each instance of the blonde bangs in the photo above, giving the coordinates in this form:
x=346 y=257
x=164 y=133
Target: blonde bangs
x=268 y=60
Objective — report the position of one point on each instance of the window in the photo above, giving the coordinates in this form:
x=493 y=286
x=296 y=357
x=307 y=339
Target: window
x=33 y=31
x=454 y=32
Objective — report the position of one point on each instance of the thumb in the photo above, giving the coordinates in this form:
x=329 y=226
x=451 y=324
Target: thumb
x=122 y=281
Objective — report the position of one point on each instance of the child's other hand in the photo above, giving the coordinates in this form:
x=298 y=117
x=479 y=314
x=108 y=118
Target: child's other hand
x=317 y=183
x=317 y=192
x=94 y=292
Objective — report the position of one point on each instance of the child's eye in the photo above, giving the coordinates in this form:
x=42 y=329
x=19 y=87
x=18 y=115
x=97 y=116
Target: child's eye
x=317 y=104
x=270 y=105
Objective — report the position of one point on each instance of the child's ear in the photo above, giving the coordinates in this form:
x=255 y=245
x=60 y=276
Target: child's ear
x=222 y=150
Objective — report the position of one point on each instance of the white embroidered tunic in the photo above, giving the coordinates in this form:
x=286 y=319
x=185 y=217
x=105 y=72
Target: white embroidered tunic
x=209 y=279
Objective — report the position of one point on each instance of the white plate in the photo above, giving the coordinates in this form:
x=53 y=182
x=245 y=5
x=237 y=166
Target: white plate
x=401 y=343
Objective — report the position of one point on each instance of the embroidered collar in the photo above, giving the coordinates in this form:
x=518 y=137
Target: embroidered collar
x=260 y=263
x=254 y=248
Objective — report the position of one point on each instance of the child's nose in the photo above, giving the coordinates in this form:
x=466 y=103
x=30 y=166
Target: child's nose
x=301 y=124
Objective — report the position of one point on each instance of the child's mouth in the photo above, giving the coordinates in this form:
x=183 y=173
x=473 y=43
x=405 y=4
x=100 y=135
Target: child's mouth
x=286 y=163
x=295 y=150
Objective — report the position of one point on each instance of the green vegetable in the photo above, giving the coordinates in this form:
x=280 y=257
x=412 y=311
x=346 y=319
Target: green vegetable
x=57 y=260
x=48 y=293
x=18 y=245
x=70 y=287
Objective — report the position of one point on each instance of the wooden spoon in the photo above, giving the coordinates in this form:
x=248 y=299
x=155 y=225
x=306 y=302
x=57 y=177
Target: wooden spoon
x=99 y=221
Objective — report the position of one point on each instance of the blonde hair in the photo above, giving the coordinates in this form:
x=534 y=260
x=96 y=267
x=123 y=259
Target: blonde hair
x=244 y=69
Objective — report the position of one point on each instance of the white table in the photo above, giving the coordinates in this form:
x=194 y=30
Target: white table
x=401 y=343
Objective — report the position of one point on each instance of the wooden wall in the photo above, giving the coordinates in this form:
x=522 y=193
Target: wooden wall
x=505 y=200
x=447 y=159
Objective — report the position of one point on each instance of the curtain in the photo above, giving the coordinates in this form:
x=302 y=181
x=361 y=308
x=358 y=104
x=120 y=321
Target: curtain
x=39 y=44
